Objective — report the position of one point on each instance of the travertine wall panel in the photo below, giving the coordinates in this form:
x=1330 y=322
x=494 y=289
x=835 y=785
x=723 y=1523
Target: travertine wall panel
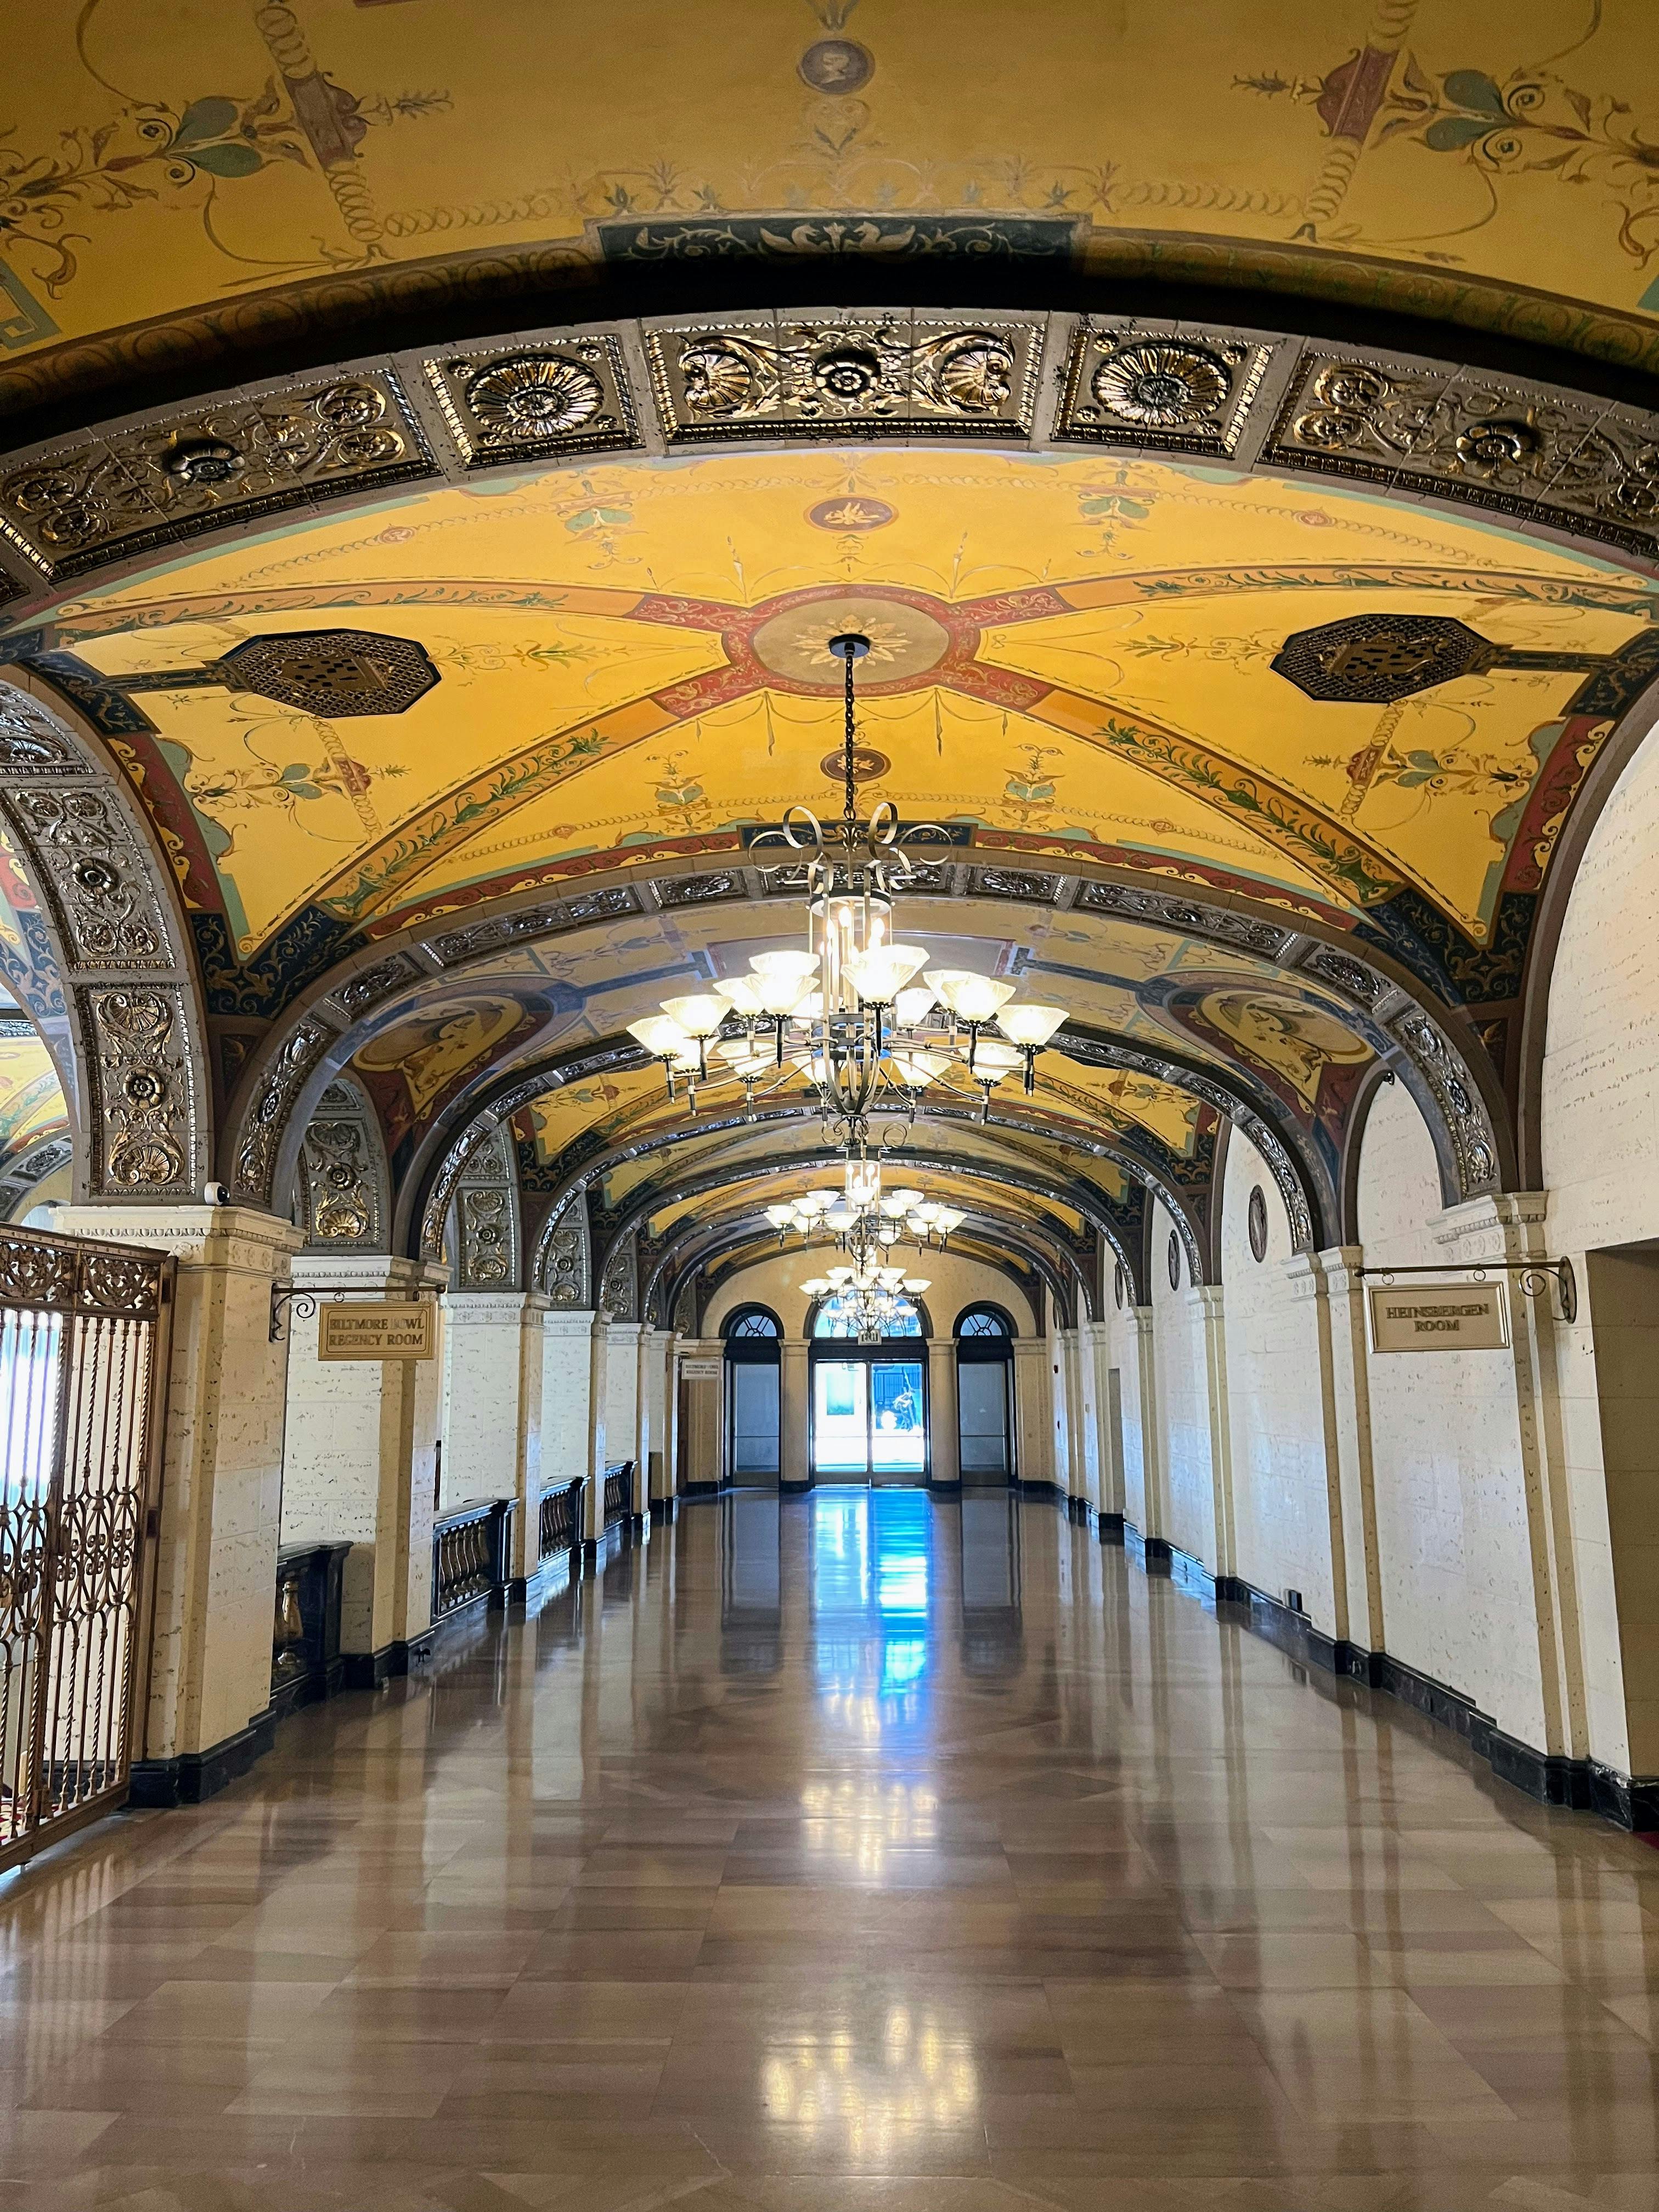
x=1448 y=1459
x=1276 y=1379
x=1186 y=1445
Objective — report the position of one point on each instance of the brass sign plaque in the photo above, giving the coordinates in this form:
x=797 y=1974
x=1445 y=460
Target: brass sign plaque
x=1447 y=1317
x=402 y=1331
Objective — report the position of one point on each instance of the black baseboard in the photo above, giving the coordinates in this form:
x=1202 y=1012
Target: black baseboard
x=1548 y=1778
x=1041 y=1493
x=700 y=1489
x=944 y=1489
x=373 y=1671
x=195 y=1776
x=665 y=1509
x=1156 y=1555
x=1110 y=1528
x=796 y=1489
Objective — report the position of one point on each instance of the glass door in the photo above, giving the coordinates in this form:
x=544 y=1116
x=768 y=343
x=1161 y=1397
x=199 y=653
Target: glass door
x=898 y=1428
x=841 y=1419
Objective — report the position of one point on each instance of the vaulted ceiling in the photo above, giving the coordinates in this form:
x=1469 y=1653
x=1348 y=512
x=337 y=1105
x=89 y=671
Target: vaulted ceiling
x=1250 y=661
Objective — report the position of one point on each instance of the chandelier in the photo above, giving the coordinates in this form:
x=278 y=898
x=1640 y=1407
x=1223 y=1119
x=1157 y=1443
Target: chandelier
x=868 y=1294
x=845 y=1011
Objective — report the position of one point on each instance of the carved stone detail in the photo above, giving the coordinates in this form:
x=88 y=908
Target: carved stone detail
x=537 y=401
x=1013 y=883
x=1170 y=912
x=1160 y=391
x=1344 y=973
x=143 y=1134
x=256 y=1162
x=343 y=1195
x=565 y=1261
x=862 y=374
x=619 y=1296
x=370 y=985
x=29 y=745
x=1474 y=1147
x=458 y=945
x=24 y=1172
x=1522 y=449
x=95 y=873
x=700 y=891
x=88 y=500
x=486 y=1216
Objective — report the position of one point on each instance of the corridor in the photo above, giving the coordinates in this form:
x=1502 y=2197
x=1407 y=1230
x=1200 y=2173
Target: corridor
x=853 y=1850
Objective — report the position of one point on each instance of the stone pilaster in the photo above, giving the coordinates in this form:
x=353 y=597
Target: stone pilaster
x=492 y=1417
x=206 y=1719
x=1033 y=1410
x=361 y=1465
x=794 y=1414
x=944 y=1433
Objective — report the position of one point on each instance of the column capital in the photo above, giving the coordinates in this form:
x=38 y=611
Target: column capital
x=244 y=1237
x=494 y=1309
x=367 y=1270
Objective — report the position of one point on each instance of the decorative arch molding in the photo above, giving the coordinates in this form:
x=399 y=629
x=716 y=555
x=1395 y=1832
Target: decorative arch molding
x=26 y=1171
x=1081 y=1255
x=485 y=1232
x=696 y=1244
x=343 y=1194
x=132 y=1040
x=1433 y=1046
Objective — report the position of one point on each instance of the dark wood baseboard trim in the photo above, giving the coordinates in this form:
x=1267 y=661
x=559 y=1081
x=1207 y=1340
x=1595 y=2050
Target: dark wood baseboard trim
x=195 y=1775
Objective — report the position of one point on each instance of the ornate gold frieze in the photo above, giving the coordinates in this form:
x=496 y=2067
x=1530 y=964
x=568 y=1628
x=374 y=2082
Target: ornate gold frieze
x=858 y=375
x=1158 y=391
x=534 y=402
x=1522 y=449
x=90 y=499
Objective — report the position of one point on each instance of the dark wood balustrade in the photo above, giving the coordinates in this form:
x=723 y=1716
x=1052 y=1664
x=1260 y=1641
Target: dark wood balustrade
x=472 y=1555
x=561 y=1523
x=619 y=1491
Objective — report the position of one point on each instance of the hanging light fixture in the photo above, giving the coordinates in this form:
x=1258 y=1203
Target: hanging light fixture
x=846 y=1013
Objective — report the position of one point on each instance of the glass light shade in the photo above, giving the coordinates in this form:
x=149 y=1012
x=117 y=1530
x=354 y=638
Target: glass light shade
x=839 y=1275
x=700 y=1013
x=915 y=1227
x=994 y=1060
x=742 y=992
x=659 y=1035
x=879 y=974
x=907 y=1200
x=918 y=1069
x=840 y=1215
x=947 y=1218
x=971 y=997
x=814 y=1201
x=815 y=1287
x=781 y=994
x=927 y=1211
x=1032 y=1025
x=895 y=1203
x=912 y=1008
x=780 y=1217
x=915 y=1285
x=786 y=962
x=890 y=1276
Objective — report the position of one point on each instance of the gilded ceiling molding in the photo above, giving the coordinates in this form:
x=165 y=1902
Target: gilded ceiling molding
x=78 y=504
x=1429 y=426
x=484 y=1234
x=133 y=1034
x=343 y=1200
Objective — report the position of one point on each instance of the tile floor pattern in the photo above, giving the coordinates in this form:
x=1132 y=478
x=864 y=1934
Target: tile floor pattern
x=860 y=1853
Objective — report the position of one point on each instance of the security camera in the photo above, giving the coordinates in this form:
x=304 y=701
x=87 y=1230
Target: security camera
x=215 y=1194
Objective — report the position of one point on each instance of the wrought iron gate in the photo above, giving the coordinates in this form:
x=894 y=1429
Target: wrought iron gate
x=83 y=1351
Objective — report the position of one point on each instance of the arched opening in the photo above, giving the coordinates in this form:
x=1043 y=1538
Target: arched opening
x=754 y=1340
x=869 y=1400
x=985 y=1396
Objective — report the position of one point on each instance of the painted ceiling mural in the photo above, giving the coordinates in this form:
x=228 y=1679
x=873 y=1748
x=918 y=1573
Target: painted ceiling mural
x=31 y=1105
x=1072 y=658
x=156 y=161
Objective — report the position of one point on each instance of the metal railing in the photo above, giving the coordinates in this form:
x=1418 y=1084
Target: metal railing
x=471 y=1554
x=83 y=1350
x=560 y=1527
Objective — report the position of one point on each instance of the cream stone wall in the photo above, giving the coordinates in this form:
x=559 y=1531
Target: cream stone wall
x=1600 y=1116
x=1450 y=1461
x=1187 y=1439
x=1277 y=1378
x=1130 y=1352
x=221 y=1469
x=567 y=1341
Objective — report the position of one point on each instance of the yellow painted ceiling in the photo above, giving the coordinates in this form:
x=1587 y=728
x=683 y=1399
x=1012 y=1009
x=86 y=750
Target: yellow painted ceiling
x=168 y=158
x=31 y=1104
x=1072 y=655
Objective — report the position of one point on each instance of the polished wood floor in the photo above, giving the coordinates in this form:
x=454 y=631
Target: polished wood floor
x=858 y=1854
